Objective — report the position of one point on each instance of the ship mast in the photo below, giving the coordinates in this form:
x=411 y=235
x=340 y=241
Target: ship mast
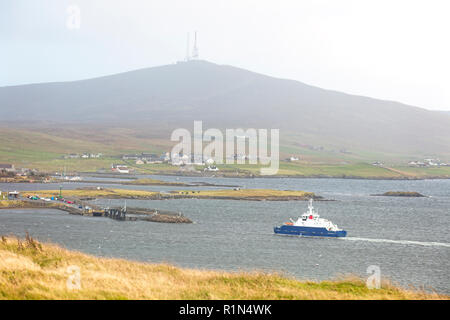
x=310 y=206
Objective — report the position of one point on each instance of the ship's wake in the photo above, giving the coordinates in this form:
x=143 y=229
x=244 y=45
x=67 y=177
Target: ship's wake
x=404 y=242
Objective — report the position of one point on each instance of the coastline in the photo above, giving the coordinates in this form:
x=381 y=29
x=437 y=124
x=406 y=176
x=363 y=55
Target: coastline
x=201 y=175
x=83 y=194
x=134 y=214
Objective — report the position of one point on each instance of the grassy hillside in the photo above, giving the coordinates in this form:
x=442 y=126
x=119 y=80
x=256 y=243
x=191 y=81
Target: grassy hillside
x=348 y=170
x=43 y=149
x=173 y=96
x=31 y=270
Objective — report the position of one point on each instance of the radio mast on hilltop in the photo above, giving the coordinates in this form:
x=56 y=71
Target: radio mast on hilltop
x=194 y=55
x=195 y=49
x=188 y=57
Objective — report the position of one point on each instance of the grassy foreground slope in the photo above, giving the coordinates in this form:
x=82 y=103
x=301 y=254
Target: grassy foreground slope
x=31 y=270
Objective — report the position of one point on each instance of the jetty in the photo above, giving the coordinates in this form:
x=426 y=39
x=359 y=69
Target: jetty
x=115 y=213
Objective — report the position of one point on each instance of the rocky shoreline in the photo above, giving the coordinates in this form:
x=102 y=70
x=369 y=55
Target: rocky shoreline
x=92 y=193
x=162 y=183
x=314 y=176
x=411 y=194
x=251 y=198
x=155 y=215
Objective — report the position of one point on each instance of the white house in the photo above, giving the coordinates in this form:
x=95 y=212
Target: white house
x=7 y=167
x=120 y=169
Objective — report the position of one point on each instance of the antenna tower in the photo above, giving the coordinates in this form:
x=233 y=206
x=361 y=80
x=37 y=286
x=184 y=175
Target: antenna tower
x=188 y=57
x=195 y=49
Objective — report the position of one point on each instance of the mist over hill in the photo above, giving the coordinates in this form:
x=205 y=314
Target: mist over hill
x=173 y=96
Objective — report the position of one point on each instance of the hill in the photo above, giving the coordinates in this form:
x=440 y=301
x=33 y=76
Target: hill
x=152 y=102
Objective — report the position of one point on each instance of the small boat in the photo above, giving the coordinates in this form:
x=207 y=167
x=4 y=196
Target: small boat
x=310 y=224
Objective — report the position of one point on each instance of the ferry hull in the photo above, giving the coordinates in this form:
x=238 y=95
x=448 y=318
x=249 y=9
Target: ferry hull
x=308 y=231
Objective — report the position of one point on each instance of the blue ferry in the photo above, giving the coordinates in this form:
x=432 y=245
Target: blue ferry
x=310 y=224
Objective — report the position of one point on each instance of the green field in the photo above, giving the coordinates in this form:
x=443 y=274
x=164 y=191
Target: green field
x=32 y=148
x=351 y=170
x=44 y=149
x=425 y=172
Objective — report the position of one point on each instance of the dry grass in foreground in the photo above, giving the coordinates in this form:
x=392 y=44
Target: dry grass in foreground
x=31 y=270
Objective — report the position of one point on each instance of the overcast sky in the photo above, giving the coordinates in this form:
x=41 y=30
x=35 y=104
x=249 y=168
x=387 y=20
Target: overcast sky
x=396 y=50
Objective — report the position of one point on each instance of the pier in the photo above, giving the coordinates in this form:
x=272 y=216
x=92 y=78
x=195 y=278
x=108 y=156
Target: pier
x=77 y=207
x=115 y=213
